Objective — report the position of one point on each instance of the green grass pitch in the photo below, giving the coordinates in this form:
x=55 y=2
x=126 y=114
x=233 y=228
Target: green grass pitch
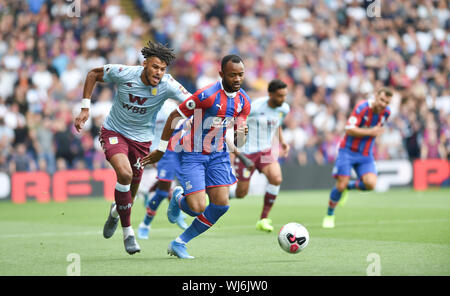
x=408 y=230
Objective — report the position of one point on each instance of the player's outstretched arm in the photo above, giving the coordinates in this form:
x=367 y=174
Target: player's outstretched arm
x=168 y=130
x=284 y=146
x=94 y=76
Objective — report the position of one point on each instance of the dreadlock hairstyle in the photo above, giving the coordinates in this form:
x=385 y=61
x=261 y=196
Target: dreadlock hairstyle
x=155 y=49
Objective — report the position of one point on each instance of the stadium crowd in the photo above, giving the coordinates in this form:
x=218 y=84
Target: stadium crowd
x=332 y=53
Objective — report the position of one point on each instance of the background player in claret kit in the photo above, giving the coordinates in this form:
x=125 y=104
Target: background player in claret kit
x=264 y=132
x=127 y=132
x=355 y=150
x=205 y=161
x=167 y=169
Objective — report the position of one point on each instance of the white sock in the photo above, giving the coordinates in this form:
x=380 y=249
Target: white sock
x=127 y=231
x=273 y=189
x=114 y=212
x=179 y=240
x=142 y=224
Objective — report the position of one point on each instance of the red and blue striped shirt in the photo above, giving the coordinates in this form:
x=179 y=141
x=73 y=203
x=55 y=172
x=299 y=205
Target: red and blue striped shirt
x=213 y=112
x=363 y=116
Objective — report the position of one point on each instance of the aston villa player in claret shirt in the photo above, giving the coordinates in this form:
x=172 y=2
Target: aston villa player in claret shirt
x=128 y=130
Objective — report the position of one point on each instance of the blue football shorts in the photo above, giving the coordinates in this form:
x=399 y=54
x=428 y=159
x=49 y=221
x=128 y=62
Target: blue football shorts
x=169 y=166
x=200 y=171
x=346 y=160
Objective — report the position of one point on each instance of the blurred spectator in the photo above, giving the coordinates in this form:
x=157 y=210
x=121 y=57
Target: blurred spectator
x=330 y=53
x=432 y=146
x=21 y=161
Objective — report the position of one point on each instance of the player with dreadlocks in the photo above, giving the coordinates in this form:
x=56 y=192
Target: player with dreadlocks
x=128 y=130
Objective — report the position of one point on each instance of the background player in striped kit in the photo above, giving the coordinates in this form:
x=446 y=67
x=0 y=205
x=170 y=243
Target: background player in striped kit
x=262 y=148
x=355 y=150
x=205 y=162
x=128 y=129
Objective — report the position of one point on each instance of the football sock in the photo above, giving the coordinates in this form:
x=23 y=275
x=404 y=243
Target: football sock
x=182 y=202
x=203 y=222
x=269 y=199
x=124 y=201
x=335 y=196
x=114 y=213
x=127 y=231
x=358 y=184
x=153 y=204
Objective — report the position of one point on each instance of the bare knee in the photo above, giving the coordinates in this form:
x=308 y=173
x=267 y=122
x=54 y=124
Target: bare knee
x=199 y=208
x=370 y=181
x=242 y=189
x=122 y=167
x=276 y=180
x=370 y=185
x=124 y=175
x=341 y=184
x=241 y=193
x=197 y=203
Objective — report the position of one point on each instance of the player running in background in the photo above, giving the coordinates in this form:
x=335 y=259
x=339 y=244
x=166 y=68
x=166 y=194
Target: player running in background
x=205 y=161
x=355 y=150
x=127 y=132
x=264 y=132
x=168 y=167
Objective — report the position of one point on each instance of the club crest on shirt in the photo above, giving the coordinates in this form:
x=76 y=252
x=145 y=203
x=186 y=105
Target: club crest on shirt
x=239 y=107
x=154 y=91
x=190 y=104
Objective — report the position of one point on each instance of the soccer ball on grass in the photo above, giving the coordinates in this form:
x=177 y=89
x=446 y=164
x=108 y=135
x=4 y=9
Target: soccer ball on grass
x=293 y=237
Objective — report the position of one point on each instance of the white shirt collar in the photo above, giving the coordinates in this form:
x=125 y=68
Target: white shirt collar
x=230 y=95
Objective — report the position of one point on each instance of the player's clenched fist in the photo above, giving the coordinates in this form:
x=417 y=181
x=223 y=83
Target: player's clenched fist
x=240 y=135
x=153 y=157
x=80 y=120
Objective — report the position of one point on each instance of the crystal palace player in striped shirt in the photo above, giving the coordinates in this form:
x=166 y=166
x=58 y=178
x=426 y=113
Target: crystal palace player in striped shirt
x=205 y=161
x=355 y=150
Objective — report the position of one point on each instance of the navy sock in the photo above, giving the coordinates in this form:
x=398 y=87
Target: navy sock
x=351 y=185
x=358 y=184
x=335 y=196
x=153 y=204
x=203 y=222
